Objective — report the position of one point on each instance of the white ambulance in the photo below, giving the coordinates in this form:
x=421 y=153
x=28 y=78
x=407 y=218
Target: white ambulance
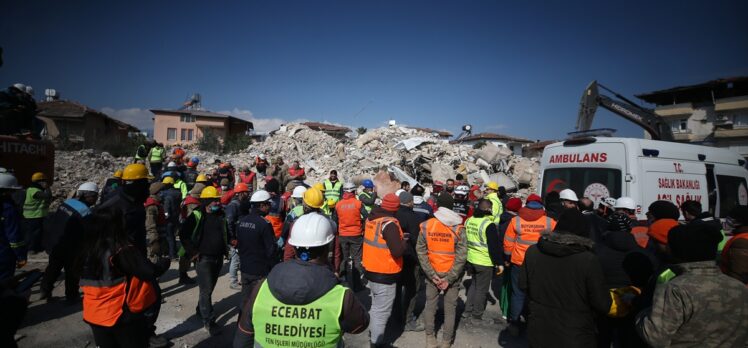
x=646 y=170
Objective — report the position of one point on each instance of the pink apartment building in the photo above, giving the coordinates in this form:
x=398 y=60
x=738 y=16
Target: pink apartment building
x=184 y=127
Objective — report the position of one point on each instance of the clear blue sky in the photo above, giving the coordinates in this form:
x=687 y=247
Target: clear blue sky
x=509 y=67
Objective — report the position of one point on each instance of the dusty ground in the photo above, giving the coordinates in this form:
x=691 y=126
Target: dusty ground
x=58 y=324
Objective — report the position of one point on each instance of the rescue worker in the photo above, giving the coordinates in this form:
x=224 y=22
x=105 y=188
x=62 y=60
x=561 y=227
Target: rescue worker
x=700 y=306
x=492 y=189
x=461 y=204
x=238 y=207
x=442 y=252
x=171 y=199
x=277 y=210
x=333 y=187
x=12 y=241
x=179 y=184
x=111 y=185
x=191 y=173
x=569 y=199
x=118 y=283
x=382 y=260
x=204 y=235
x=140 y=154
x=185 y=259
x=248 y=177
x=627 y=206
x=155 y=222
x=734 y=257
x=605 y=207
x=693 y=214
x=65 y=242
x=483 y=254
x=302 y=285
x=261 y=164
x=411 y=278
x=420 y=206
x=255 y=243
x=226 y=175
x=351 y=214
x=200 y=182
x=367 y=195
x=296 y=173
x=35 y=209
x=296 y=205
x=156 y=157
x=523 y=231
x=312 y=202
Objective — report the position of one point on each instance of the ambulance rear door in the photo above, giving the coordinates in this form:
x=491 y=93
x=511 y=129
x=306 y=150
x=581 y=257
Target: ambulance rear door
x=731 y=188
x=673 y=180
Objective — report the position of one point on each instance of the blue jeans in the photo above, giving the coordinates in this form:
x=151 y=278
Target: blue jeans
x=517 y=303
x=171 y=228
x=234 y=265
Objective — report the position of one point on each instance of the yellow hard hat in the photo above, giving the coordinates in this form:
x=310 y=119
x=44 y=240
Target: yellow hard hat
x=201 y=178
x=118 y=173
x=168 y=180
x=135 y=171
x=313 y=198
x=38 y=176
x=210 y=192
x=331 y=202
x=492 y=185
x=319 y=186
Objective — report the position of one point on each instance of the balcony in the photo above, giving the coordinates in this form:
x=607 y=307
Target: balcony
x=683 y=109
x=731 y=133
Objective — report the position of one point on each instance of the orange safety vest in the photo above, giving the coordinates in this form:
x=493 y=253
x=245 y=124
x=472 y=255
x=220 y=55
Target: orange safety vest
x=104 y=299
x=277 y=224
x=349 y=217
x=521 y=234
x=441 y=241
x=723 y=260
x=376 y=256
x=641 y=235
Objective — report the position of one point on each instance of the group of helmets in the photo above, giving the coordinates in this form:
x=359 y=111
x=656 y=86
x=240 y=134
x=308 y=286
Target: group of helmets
x=627 y=203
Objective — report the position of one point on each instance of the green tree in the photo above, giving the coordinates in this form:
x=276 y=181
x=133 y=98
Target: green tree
x=209 y=142
x=236 y=143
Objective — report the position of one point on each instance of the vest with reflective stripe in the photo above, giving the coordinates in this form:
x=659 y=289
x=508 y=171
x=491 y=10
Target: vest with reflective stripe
x=33 y=207
x=277 y=223
x=441 y=242
x=496 y=207
x=157 y=155
x=349 y=217
x=368 y=195
x=527 y=237
x=641 y=235
x=104 y=299
x=296 y=212
x=475 y=229
x=182 y=187
x=316 y=324
x=332 y=191
x=198 y=216
x=376 y=255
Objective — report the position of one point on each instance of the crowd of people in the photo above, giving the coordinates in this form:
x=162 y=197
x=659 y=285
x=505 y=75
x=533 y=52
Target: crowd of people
x=567 y=271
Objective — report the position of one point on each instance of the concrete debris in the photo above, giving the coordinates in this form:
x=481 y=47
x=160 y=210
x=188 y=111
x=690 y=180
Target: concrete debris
x=73 y=168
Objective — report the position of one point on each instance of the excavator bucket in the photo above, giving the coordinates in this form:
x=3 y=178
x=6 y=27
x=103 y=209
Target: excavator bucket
x=587 y=107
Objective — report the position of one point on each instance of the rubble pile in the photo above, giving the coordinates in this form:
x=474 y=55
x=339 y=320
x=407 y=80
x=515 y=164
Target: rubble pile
x=73 y=168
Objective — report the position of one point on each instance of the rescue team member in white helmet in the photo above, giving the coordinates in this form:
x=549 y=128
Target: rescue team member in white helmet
x=301 y=303
x=65 y=241
x=568 y=199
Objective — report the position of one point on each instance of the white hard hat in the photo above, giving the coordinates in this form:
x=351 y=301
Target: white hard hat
x=298 y=192
x=625 y=203
x=171 y=164
x=568 y=195
x=609 y=202
x=8 y=181
x=349 y=187
x=398 y=192
x=88 y=186
x=261 y=156
x=29 y=90
x=260 y=196
x=462 y=190
x=311 y=230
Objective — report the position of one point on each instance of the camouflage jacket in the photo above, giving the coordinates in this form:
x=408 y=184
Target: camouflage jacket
x=700 y=307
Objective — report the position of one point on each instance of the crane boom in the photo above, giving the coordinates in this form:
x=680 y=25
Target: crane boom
x=654 y=124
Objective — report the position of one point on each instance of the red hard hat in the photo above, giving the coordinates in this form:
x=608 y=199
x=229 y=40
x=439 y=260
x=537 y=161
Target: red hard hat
x=241 y=187
x=191 y=200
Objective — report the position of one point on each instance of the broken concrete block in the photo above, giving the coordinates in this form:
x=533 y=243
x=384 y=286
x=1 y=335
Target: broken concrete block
x=489 y=153
x=441 y=172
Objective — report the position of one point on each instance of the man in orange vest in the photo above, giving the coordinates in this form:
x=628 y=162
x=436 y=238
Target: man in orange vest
x=523 y=231
x=626 y=205
x=734 y=260
x=382 y=259
x=442 y=252
x=351 y=214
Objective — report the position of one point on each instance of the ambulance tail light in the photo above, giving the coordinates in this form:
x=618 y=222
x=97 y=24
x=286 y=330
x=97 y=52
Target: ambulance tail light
x=650 y=152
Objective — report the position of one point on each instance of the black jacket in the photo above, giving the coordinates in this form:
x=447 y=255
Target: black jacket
x=256 y=244
x=598 y=225
x=565 y=287
x=410 y=223
x=612 y=250
x=133 y=217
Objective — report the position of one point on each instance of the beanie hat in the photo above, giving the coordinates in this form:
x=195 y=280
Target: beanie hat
x=405 y=198
x=390 y=202
x=513 y=204
x=664 y=210
x=534 y=198
x=272 y=186
x=694 y=242
x=156 y=187
x=619 y=222
x=572 y=221
x=445 y=200
x=660 y=229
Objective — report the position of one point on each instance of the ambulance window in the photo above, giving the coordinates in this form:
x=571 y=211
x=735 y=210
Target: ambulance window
x=732 y=191
x=593 y=182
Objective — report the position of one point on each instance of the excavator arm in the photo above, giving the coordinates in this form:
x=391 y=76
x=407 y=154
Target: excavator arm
x=645 y=118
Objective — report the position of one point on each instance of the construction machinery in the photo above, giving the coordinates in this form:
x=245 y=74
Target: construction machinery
x=654 y=124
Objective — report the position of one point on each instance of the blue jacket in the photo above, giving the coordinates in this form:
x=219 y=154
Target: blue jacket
x=256 y=244
x=12 y=241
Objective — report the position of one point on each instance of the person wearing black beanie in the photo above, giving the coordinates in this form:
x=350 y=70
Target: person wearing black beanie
x=700 y=304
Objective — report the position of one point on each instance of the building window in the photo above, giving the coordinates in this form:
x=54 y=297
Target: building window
x=186 y=118
x=740 y=121
x=171 y=134
x=679 y=126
